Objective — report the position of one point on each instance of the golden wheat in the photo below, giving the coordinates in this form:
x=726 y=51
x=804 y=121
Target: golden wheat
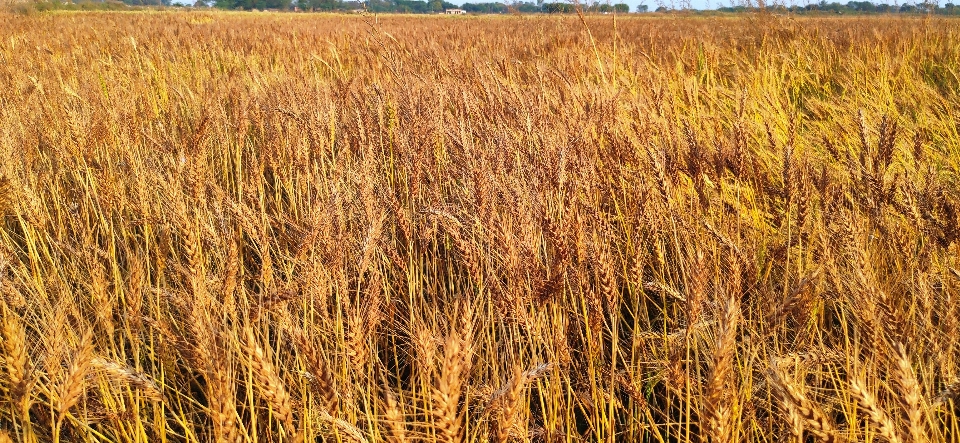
x=222 y=226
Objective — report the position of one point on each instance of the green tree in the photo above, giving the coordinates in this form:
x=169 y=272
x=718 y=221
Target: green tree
x=558 y=8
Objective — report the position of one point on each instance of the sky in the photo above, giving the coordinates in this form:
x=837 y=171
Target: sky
x=702 y=4
x=714 y=4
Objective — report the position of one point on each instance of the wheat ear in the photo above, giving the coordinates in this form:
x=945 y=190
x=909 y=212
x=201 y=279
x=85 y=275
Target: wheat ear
x=507 y=399
x=321 y=381
x=395 y=418
x=72 y=387
x=271 y=385
x=912 y=398
x=803 y=413
x=135 y=378
x=879 y=417
x=15 y=353
x=717 y=407
x=457 y=355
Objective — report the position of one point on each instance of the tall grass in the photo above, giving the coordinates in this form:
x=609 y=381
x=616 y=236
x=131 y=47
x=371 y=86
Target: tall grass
x=276 y=228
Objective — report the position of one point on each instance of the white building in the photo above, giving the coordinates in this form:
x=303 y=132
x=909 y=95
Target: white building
x=454 y=11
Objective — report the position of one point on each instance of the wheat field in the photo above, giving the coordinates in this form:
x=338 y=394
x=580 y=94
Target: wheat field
x=256 y=227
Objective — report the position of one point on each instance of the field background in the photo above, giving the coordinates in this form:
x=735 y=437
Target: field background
x=271 y=227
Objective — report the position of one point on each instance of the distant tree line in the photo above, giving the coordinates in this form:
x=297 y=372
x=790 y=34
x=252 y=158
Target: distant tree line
x=567 y=8
x=376 y=6
x=147 y=2
x=436 y=6
x=855 y=7
x=490 y=8
x=401 y=6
